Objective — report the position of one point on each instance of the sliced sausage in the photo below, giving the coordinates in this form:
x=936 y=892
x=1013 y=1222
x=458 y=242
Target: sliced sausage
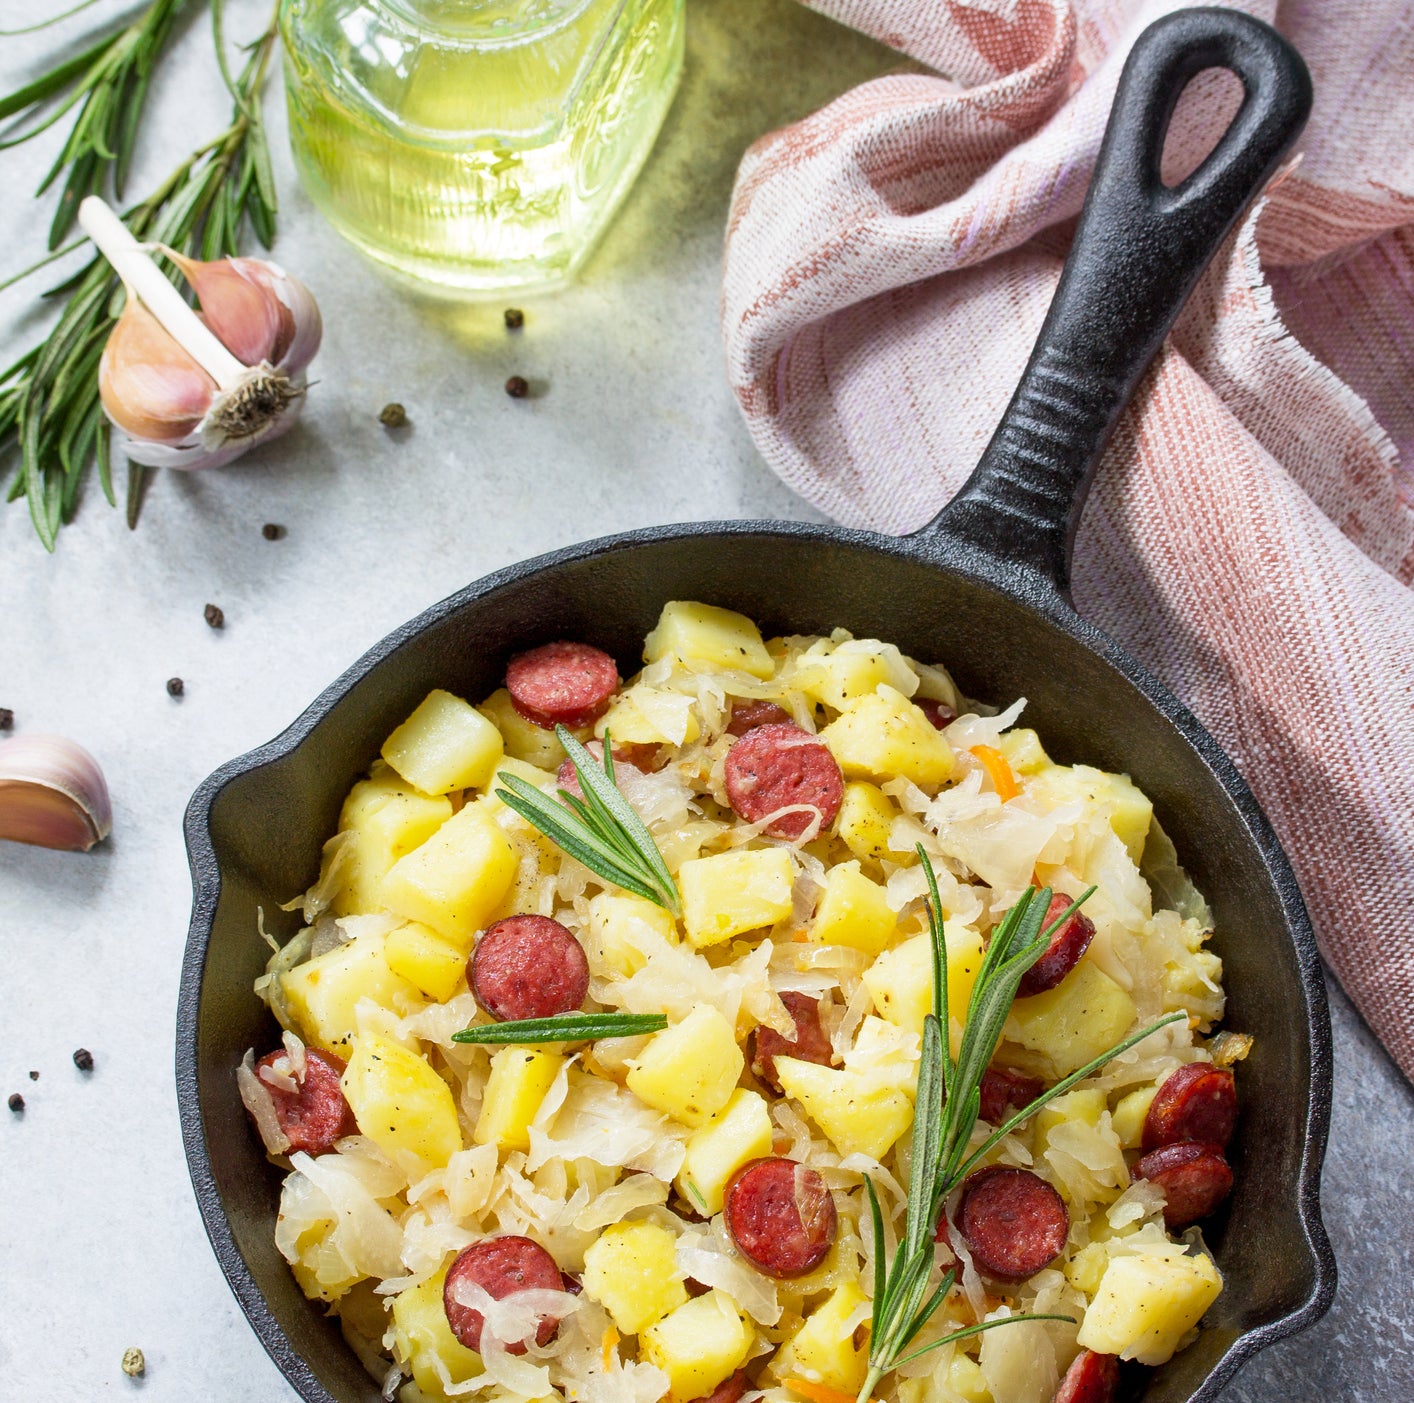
x=810 y=1043
x=316 y=1115
x=528 y=967
x=779 y=765
x=1196 y=1102
x=501 y=1266
x=1091 y=1378
x=1014 y=1222
x=1006 y=1091
x=748 y=715
x=1194 y=1176
x=781 y=1216
x=1068 y=943
x=939 y=713
x=562 y=684
x=729 y=1391
x=624 y=756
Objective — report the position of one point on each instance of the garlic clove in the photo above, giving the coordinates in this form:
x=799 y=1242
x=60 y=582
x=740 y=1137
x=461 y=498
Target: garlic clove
x=52 y=794
x=306 y=325
x=151 y=388
x=239 y=306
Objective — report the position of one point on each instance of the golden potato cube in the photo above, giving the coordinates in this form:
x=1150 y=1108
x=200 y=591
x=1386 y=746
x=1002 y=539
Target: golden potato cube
x=421 y=1333
x=688 y=1071
x=401 y=1104
x=1147 y=1303
x=520 y=1077
x=728 y=893
x=433 y=963
x=738 y=1133
x=321 y=994
x=822 y=1350
x=523 y=739
x=455 y=880
x=1024 y=752
x=1085 y=1270
x=445 y=744
x=703 y=638
x=852 y=670
x=884 y=736
x=966 y=1379
x=900 y=981
x=1129 y=1115
x=699 y=1345
x=622 y=930
x=1116 y=796
x=1085 y=1103
x=853 y=911
x=858 y=1114
x=1072 y=1024
x=865 y=819
x=632 y=1271
x=531 y=774
x=651 y=716
x=384 y=820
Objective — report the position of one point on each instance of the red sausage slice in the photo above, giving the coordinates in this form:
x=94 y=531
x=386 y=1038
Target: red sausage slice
x=939 y=713
x=1014 y=1222
x=728 y=1392
x=1196 y=1102
x=1005 y=1091
x=316 y=1115
x=528 y=967
x=501 y=1266
x=809 y=1044
x=1194 y=1176
x=777 y=765
x=781 y=1216
x=562 y=684
x=567 y=777
x=1068 y=943
x=748 y=715
x=1091 y=1378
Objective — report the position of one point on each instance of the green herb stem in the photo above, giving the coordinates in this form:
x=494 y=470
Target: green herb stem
x=564 y=1028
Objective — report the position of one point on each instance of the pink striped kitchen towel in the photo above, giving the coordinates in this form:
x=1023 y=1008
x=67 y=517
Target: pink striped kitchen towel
x=1251 y=535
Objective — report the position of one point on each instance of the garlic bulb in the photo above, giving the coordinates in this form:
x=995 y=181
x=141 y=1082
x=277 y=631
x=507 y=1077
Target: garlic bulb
x=52 y=794
x=196 y=389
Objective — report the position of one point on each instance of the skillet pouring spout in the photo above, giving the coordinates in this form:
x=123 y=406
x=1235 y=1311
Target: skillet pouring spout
x=986 y=588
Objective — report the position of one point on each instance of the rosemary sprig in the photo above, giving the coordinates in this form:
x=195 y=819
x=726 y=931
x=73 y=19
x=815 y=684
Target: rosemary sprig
x=50 y=415
x=945 y=1113
x=564 y=1028
x=600 y=830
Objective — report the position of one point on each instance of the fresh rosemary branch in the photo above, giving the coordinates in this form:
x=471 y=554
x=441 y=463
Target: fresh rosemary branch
x=600 y=830
x=50 y=416
x=107 y=82
x=565 y=1027
x=945 y=1113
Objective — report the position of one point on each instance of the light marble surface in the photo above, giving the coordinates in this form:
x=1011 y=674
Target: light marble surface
x=631 y=423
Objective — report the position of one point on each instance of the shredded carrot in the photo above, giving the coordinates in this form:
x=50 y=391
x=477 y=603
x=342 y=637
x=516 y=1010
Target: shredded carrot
x=611 y=1339
x=996 y=765
x=800 y=936
x=819 y=1393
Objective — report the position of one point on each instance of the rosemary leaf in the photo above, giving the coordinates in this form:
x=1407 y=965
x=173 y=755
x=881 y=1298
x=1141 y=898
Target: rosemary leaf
x=564 y=1027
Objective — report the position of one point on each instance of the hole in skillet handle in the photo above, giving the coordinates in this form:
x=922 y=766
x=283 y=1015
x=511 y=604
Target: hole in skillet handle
x=1139 y=249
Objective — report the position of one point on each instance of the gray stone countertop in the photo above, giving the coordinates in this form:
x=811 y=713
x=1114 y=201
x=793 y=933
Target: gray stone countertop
x=630 y=424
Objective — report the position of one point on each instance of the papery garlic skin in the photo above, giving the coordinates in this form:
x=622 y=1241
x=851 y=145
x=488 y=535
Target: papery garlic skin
x=52 y=794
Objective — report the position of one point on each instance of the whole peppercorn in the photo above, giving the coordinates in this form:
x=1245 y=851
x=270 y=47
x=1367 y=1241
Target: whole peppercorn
x=83 y=1060
x=214 y=615
x=7 y=719
x=515 y=319
x=34 y=1076
x=134 y=1365
x=16 y=1102
x=272 y=531
x=175 y=686
x=517 y=387
x=393 y=416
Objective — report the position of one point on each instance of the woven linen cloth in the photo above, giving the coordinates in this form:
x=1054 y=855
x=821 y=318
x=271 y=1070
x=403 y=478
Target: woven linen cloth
x=1250 y=534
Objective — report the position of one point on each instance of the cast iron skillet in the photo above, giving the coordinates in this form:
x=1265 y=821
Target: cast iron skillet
x=983 y=588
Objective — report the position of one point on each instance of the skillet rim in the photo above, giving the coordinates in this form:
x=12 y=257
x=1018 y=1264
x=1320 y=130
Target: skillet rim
x=935 y=547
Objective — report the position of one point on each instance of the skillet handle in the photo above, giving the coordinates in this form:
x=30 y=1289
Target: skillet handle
x=1139 y=249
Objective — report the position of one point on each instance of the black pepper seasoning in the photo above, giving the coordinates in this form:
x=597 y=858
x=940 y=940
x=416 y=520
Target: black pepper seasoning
x=393 y=416
x=83 y=1060
x=16 y=1102
x=175 y=686
x=34 y=1076
x=517 y=387
x=214 y=615
x=271 y=531
x=515 y=319
x=7 y=719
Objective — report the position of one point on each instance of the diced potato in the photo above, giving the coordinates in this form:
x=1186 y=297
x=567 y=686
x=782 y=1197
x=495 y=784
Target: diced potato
x=857 y=1113
x=1129 y=1115
x=1023 y=751
x=651 y=716
x=632 y=1271
x=728 y=893
x=520 y=1077
x=707 y=639
x=523 y=739
x=1116 y=796
x=321 y=994
x=884 y=736
x=822 y=1350
x=966 y=1379
x=319 y=1267
x=445 y=744
x=384 y=820
x=699 y=1345
x=455 y=880
x=1086 y=1104
x=433 y=963
x=900 y=981
x=853 y=911
x=688 y=1071
x=522 y=769
x=738 y=1133
x=1072 y=1024
x=852 y=670
x=401 y=1104
x=623 y=929
x=421 y=1334
x=866 y=816
x=1147 y=1303
x=1085 y=1270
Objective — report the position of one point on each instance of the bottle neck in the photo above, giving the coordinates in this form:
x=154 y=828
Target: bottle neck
x=486 y=21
